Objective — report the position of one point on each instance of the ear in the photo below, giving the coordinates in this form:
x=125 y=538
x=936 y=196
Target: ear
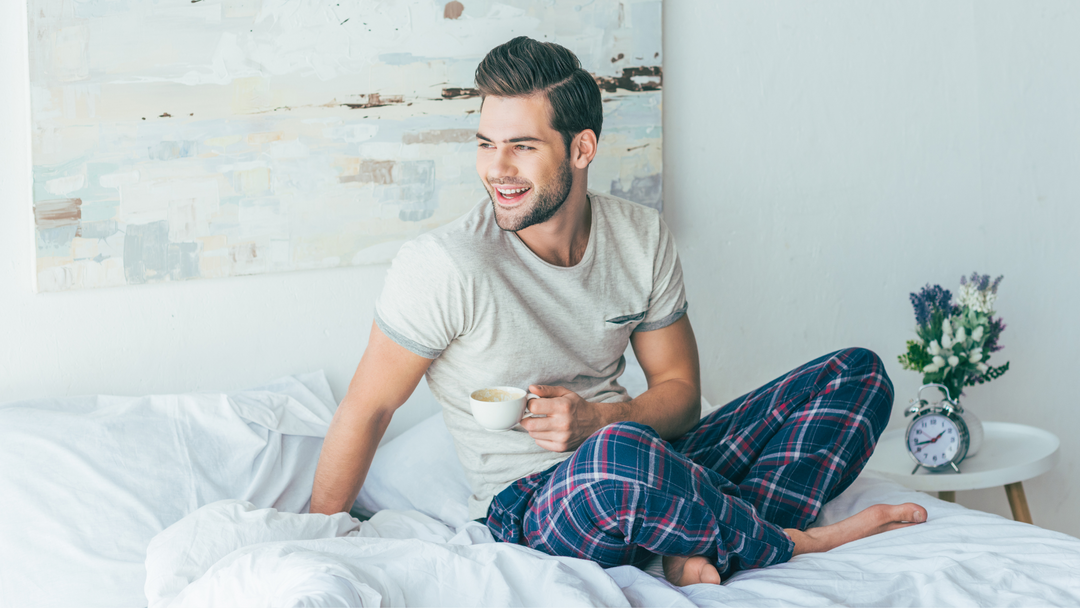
x=583 y=149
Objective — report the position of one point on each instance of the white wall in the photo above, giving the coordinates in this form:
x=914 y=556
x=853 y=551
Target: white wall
x=826 y=159
x=822 y=161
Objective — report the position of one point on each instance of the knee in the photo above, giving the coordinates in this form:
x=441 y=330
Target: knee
x=863 y=362
x=620 y=444
x=862 y=358
x=623 y=432
x=866 y=366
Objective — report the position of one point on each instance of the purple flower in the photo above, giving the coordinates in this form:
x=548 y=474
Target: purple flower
x=930 y=300
x=982 y=282
x=994 y=329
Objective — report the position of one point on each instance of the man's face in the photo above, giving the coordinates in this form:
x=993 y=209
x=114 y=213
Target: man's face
x=522 y=161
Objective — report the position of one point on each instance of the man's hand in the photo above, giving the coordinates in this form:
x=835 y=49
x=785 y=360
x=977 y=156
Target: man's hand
x=569 y=419
x=671 y=406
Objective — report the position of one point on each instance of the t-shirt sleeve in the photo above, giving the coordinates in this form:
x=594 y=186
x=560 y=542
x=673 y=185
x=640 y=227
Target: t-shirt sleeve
x=422 y=304
x=667 y=302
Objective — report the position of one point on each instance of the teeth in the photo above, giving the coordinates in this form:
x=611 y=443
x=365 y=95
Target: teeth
x=515 y=191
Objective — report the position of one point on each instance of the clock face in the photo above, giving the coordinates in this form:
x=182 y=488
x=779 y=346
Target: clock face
x=934 y=440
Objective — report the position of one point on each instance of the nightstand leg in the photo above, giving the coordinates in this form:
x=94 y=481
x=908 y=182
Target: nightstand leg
x=1018 y=502
x=949 y=496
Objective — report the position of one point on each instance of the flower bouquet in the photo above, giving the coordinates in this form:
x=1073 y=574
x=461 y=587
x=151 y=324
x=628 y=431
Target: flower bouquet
x=955 y=341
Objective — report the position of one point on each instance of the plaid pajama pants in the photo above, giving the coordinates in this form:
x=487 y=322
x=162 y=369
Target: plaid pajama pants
x=726 y=489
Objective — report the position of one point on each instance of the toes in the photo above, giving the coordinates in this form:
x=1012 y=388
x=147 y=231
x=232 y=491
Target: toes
x=911 y=512
x=897 y=526
x=908 y=512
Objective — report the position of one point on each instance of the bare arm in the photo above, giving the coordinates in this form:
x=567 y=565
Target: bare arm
x=384 y=379
x=669 y=357
x=672 y=405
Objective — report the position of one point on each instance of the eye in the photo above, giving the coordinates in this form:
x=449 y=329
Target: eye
x=524 y=147
x=485 y=145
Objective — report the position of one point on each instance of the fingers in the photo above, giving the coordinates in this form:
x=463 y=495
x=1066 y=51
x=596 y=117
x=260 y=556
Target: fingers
x=543 y=390
x=550 y=406
x=552 y=433
x=542 y=424
x=552 y=446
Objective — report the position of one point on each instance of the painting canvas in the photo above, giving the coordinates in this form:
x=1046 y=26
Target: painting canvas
x=185 y=139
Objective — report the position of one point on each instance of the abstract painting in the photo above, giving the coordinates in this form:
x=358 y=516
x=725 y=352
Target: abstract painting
x=186 y=139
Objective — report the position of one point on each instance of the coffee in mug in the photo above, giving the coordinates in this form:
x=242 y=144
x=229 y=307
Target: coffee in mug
x=499 y=408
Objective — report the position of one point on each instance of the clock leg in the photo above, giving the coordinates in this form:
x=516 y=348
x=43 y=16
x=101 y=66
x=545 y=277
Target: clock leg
x=949 y=496
x=1018 y=502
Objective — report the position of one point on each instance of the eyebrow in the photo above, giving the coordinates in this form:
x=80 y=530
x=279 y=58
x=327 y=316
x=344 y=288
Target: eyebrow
x=510 y=141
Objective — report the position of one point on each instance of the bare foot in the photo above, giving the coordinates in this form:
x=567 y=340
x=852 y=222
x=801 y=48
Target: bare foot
x=873 y=520
x=868 y=522
x=684 y=571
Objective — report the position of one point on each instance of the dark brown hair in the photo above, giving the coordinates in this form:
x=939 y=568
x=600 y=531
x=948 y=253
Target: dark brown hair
x=525 y=66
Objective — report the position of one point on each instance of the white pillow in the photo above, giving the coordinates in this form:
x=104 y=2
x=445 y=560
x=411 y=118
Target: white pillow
x=418 y=470
x=86 y=482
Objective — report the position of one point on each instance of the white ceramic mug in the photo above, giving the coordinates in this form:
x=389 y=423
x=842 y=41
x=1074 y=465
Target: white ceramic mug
x=499 y=408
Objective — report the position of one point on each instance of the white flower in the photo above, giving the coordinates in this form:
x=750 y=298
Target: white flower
x=939 y=361
x=930 y=368
x=975 y=356
x=982 y=367
x=954 y=361
x=946 y=328
x=946 y=341
x=934 y=348
x=979 y=301
x=961 y=335
x=977 y=334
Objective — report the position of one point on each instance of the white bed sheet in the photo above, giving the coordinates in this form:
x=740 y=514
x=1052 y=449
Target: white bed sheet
x=959 y=557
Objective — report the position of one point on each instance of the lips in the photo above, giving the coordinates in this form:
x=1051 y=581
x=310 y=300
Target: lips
x=511 y=195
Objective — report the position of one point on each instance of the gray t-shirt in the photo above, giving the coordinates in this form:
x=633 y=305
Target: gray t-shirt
x=491 y=313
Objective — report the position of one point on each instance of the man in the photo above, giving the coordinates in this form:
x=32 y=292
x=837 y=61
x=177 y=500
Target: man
x=543 y=288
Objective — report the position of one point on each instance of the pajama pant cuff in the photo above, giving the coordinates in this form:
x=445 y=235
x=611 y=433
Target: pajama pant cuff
x=756 y=543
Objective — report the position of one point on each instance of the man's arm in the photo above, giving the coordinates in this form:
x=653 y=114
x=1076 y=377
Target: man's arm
x=386 y=376
x=672 y=405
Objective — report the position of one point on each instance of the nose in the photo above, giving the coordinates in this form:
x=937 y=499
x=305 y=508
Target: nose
x=501 y=166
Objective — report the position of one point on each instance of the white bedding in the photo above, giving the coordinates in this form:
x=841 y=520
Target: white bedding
x=959 y=557
x=86 y=483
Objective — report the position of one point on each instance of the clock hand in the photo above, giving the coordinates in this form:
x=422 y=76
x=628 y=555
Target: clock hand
x=938 y=437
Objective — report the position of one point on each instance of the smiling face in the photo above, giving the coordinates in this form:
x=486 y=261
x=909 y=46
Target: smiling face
x=522 y=161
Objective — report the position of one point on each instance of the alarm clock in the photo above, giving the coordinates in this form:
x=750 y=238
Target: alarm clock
x=938 y=438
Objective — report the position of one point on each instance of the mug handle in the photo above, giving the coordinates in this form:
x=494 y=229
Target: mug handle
x=529 y=397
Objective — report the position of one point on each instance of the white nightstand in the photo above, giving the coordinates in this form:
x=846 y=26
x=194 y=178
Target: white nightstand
x=1010 y=454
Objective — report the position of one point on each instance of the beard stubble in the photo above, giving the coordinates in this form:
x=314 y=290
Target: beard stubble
x=547 y=202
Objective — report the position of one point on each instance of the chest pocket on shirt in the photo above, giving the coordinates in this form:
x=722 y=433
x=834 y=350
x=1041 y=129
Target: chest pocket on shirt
x=624 y=319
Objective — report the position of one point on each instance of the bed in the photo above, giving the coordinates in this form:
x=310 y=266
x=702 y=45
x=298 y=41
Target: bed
x=201 y=499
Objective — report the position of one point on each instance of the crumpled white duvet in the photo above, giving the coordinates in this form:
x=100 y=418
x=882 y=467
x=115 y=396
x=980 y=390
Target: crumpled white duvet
x=231 y=553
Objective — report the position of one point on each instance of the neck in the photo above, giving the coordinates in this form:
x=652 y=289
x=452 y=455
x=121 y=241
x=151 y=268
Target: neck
x=563 y=239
